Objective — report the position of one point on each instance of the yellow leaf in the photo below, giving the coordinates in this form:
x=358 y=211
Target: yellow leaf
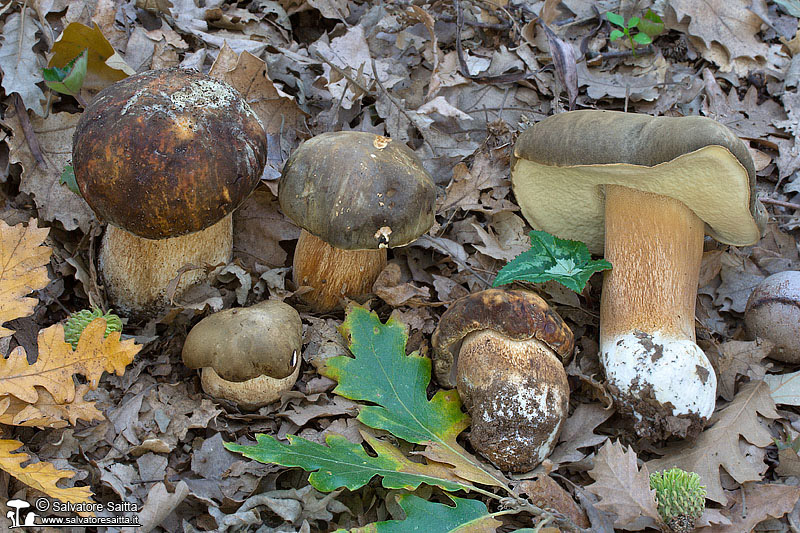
x=46 y=412
x=105 y=66
x=57 y=363
x=41 y=476
x=23 y=269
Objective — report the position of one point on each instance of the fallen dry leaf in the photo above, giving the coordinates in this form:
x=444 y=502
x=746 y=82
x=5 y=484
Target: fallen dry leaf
x=57 y=362
x=623 y=488
x=23 y=269
x=759 y=502
x=47 y=412
x=544 y=492
x=734 y=358
x=42 y=476
x=578 y=432
x=784 y=388
x=718 y=445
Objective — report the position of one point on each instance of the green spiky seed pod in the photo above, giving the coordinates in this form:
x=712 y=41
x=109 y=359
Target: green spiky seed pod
x=680 y=497
x=77 y=322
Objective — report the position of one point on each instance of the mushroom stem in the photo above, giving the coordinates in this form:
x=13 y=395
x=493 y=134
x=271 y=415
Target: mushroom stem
x=338 y=273
x=137 y=271
x=652 y=363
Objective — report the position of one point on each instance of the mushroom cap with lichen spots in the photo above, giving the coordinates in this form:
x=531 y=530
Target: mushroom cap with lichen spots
x=244 y=343
x=167 y=152
x=357 y=191
x=567 y=158
x=517 y=315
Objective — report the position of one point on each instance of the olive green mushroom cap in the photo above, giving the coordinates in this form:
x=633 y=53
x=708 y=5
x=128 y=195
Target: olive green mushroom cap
x=516 y=315
x=357 y=191
x=245 y=343
x=561 y=164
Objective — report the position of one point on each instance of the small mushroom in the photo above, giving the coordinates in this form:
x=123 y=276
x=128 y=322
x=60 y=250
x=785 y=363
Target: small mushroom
x=248 y=355
x=644 y=189
x=355 y=194
x=773 y=313
x=503 y=351
x=164 y=157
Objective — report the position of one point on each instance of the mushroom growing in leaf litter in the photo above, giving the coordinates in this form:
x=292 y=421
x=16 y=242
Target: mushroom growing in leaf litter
x=355 y=194
x=646 y=190
x=164 y=157
x=504 y=351
x=248 y=355
x=773 y=313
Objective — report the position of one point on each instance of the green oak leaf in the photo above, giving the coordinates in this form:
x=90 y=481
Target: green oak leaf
x=344 y=464
x=651 y=24
x=550 y=258
x=615 y=19
x=468 y=516
x=69 y=78
x=382 y=374
x=68 y=179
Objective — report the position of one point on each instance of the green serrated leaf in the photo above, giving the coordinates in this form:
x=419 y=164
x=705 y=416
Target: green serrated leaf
x=344 y=464
x=651 y=24
x=615 y=35
x=614 y=18
x=468 y=516
x=69 y=78
x=381 y=373
x=550 y=258
x=642 y=38
x=68 y=179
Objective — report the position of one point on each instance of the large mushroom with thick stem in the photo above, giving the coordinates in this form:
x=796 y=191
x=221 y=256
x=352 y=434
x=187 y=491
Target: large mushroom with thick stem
x=644 y=190
x=354 y=194
x=164 y=157
x=504 y=351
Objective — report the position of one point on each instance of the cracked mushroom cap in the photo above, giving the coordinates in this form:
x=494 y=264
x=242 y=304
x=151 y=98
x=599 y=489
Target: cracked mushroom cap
x=567 y=158
x=167 y=152
x=517 y=315
x=357 y=191
x=248 y=355
x=509 y=373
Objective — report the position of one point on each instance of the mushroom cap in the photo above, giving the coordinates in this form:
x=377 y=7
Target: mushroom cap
x=245 y=343
x=773 y=313
x=167 y=152
x=517 y=315
x=357 y=191
x=567 y=158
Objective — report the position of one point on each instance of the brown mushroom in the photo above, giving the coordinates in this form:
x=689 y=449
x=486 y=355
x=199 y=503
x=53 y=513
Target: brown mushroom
x=247 y=355
x=645 y=190
x=164 y=157
x=773 y=313
x=355 y=194
x=504 y=350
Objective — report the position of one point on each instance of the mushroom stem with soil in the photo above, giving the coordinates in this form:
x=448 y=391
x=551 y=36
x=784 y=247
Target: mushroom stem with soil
x=644 y=189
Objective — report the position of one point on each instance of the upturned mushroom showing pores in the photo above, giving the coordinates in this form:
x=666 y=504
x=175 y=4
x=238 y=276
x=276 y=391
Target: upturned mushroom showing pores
x=164 y=157
x=645 y=190
x=354 y=194
x=503 y=351
x=247 y=355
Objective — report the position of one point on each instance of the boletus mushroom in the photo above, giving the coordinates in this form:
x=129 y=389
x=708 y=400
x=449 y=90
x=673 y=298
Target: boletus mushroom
x=354 y=194
x=644 y=190
x=248 y=355
x=164 y=157
x=773 y=313
x=504 y=351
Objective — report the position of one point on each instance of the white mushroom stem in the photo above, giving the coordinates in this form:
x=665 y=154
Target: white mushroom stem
x=655 y=244
x=250 y=394
x=334 y=273
x=138 y=271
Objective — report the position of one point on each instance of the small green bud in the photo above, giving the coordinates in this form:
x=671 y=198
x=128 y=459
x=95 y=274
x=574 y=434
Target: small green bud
x=77 y=322
x=680 y=497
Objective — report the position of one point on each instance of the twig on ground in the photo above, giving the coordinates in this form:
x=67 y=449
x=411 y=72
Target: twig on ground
x=27 y=129
x=779 y=203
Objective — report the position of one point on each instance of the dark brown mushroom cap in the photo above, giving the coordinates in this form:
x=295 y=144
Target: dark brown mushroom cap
x=517 y=315
x=167 y=152
x=357 y=191
x=696 y=160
